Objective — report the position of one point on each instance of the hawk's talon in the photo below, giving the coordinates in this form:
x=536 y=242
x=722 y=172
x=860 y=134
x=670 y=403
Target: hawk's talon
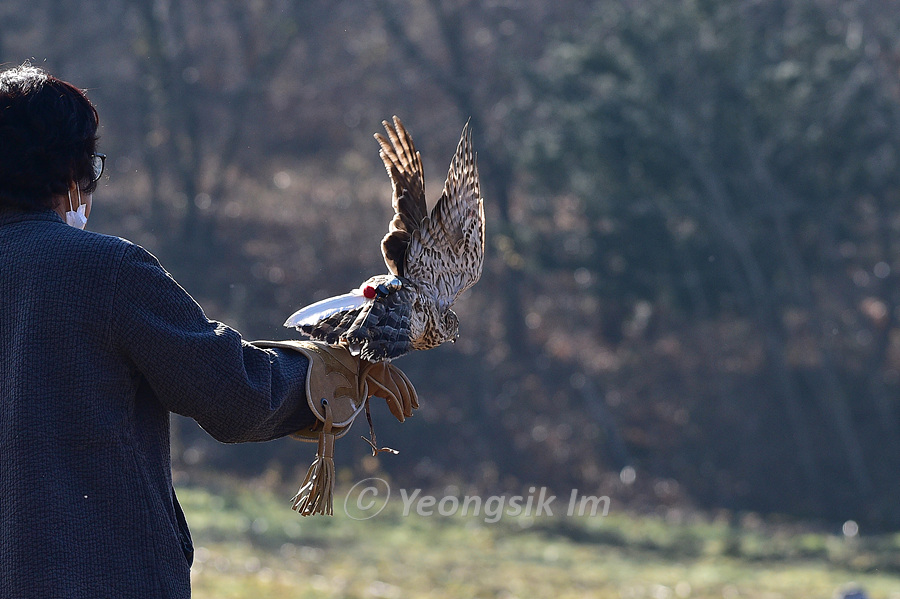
x=375 y=449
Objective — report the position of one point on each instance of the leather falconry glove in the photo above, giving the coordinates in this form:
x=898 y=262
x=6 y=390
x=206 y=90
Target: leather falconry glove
x=388 y=382
x=338 y=386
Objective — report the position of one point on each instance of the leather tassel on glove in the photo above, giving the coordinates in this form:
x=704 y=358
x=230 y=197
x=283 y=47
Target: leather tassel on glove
x=316 y=494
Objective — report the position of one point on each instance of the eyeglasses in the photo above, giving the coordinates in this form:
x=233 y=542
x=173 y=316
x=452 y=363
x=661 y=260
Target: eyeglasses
x=98 y=161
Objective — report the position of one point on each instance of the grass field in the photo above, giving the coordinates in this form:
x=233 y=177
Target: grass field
x=250 y=545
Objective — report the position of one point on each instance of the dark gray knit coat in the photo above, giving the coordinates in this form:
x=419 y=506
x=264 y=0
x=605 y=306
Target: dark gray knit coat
x=98 y=344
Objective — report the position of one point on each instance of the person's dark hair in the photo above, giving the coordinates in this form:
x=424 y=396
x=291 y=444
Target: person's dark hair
x=48 y=133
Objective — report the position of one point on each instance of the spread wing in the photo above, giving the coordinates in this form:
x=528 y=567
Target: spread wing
x=404 y=166
x=446 y=252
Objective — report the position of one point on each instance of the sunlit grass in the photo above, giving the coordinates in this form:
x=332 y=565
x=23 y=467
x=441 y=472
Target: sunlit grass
x=251 y=545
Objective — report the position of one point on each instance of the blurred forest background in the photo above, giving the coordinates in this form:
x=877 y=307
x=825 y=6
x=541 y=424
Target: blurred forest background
x=693 y=209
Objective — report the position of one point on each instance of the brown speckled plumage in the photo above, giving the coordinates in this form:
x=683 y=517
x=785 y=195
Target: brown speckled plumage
x=433 y=257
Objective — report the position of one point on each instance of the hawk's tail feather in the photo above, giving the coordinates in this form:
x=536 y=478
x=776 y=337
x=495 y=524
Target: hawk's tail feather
x=313 y=313
x=333 y=328
x=376 y=330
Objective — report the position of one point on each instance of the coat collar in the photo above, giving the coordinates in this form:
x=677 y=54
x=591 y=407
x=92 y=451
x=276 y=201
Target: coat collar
x=15 y=215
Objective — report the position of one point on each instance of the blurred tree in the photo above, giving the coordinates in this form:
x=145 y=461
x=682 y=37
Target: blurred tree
x=719 y=150
x=201 y=103
x=693 y=217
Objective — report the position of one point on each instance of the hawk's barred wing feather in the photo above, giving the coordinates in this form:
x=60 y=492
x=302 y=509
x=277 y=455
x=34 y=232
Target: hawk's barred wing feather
x=381 y=332
x=404 y=166
x=446 y=252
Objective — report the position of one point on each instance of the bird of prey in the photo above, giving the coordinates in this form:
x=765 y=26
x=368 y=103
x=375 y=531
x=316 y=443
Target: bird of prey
x=431 y=259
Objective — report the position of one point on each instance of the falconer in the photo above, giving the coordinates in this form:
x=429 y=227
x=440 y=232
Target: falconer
x=98 y=345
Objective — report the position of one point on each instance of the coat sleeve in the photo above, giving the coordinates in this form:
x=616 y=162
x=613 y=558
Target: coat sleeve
x=202 y=368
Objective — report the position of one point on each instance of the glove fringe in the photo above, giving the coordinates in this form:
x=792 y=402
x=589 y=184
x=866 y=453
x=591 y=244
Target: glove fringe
x=316 y=494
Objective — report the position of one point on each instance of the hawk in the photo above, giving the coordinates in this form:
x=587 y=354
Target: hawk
x=431 y=259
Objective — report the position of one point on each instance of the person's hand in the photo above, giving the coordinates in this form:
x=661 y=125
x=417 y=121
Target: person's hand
x=332 y=363
x=346 y=382
x=388 y=382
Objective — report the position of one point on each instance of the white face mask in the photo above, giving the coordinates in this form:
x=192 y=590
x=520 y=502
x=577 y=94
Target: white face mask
x=76 y=218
